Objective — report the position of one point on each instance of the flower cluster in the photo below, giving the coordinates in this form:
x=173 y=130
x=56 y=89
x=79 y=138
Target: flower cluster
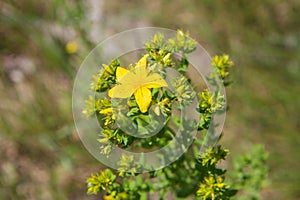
x=222 y=64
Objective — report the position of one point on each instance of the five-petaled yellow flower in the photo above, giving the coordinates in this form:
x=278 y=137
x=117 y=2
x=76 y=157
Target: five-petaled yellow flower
x=138 y=82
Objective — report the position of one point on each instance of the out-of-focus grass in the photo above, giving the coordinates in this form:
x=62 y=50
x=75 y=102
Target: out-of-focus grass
x=40 y=154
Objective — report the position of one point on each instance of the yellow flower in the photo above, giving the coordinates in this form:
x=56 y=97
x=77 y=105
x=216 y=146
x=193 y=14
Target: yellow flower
x=106 y=111
x=110 y=196
x=137 y=82
x=71 y=47
x=108 y=69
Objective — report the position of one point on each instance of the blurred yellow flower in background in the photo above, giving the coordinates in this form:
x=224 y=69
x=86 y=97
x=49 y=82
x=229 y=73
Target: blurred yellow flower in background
x=71 y=47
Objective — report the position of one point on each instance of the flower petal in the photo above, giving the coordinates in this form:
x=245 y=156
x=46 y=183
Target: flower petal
x=120 y=73
x=121 y=91
x=106 y=111
x=154 y=81
x=143 y=98
x=140 y=70
x=142 y=61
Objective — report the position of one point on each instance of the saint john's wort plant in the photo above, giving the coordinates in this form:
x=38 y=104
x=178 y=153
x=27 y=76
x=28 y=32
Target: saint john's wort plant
x=136 y=93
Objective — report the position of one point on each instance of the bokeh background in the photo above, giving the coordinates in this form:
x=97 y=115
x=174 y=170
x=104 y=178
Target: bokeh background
x=42 y=44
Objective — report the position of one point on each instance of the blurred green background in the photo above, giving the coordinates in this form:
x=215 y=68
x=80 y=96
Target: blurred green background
x=41 y=156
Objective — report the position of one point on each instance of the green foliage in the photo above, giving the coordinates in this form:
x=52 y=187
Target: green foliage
x=193 y=174
x=133 y=188
x=105 y=78
x=213 y=156
x=183 y=91
x=223 y=65
x=249 y=173
x=212 y=186
x=182 y=43
x=102 y=181
x=209 y=104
